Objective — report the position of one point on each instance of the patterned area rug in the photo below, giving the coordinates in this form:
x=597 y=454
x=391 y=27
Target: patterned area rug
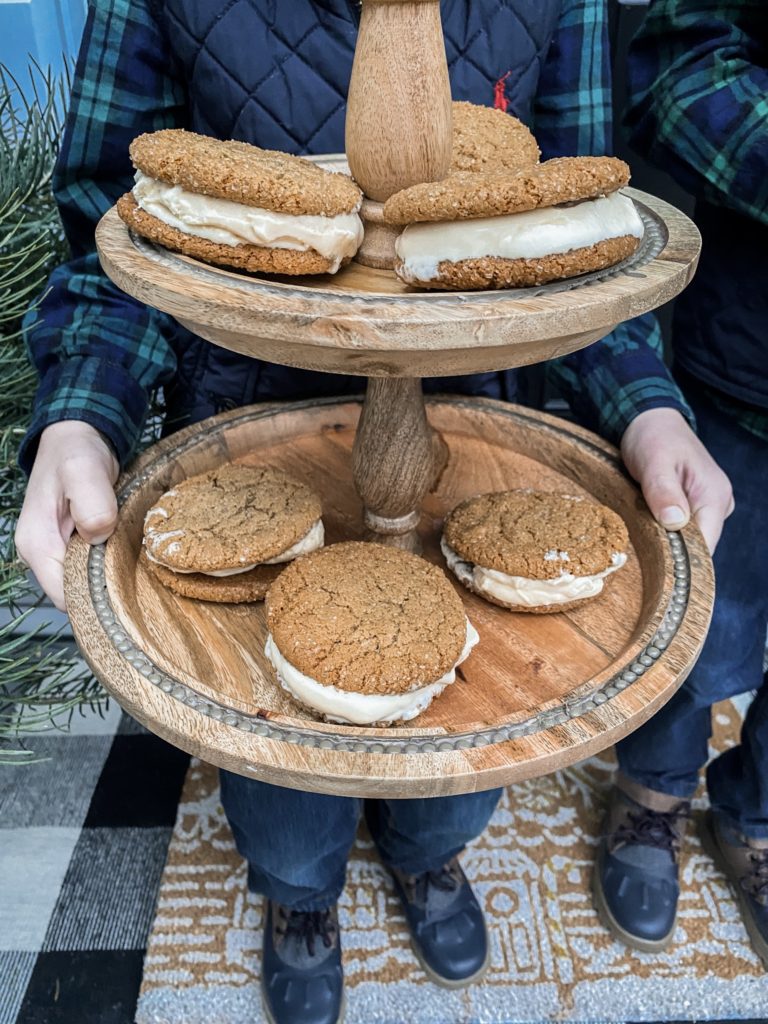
x=551 y=959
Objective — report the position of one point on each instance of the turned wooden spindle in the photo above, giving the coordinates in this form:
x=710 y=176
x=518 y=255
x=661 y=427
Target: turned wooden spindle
x=378 y=247
x=398 y=133
x=396 y=459
x=398 y=130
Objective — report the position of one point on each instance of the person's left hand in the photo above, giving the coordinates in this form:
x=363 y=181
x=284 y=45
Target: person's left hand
x=678 y=476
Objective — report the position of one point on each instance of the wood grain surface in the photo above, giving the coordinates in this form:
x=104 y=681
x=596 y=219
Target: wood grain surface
x=525 y=669
x=378 y=246
x=399 y=122
x=365 y=321
x=395 y=458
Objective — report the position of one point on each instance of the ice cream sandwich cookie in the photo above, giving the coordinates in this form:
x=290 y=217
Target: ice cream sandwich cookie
x=234 y=204
x=486 y=139
x=240 y=588
x=224 y=535
x=559 y=219
x=365 y=634
x=534 y=551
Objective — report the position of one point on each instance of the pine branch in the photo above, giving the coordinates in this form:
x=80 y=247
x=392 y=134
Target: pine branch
x=41 y=682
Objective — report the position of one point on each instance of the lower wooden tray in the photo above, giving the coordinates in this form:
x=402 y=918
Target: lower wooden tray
x=538 y=693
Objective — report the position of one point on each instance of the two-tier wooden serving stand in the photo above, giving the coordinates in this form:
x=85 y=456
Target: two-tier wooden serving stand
x=539 y=692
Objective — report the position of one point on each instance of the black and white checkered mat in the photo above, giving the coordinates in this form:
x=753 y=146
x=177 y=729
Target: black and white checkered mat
x=83 y=840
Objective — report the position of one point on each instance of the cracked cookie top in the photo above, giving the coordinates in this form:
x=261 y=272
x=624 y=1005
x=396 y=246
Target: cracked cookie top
x=536 y=534
x=243 y=173
x=367 y=618
x=486 y=139
x=229 y=518
x=494 y=193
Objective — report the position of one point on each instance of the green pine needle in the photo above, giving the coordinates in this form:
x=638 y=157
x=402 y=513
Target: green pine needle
x=41 y=681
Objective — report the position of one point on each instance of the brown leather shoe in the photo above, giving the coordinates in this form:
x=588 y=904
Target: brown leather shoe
x=745 y=865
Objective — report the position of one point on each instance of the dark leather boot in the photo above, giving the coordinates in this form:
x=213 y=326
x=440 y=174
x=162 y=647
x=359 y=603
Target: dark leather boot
x=447 y=924
x=301 y=975
x=746 y=868
x=635 y=881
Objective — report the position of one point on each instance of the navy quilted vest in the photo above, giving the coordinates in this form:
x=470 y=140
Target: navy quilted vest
x=721 y=319
x=276 y=73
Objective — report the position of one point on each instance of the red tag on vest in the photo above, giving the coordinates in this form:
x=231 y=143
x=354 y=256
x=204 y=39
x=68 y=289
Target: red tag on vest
x=500 y=100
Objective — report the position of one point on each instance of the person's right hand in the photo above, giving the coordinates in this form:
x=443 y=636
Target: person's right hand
x=70 y=488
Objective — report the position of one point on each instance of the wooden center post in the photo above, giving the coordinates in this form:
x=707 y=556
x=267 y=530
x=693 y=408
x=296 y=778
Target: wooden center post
x=398 y=133
x=398 y=130
x=397 y=458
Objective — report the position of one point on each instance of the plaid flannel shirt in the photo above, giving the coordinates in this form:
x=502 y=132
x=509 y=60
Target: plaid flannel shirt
x=698 y=73
x=100 y=353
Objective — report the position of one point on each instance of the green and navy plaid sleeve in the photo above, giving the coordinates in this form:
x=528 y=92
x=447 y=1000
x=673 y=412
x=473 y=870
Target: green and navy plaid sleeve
x=98 y=352
x=698 y=79
x=617 y=378
x=609 y=383
x=572 y=109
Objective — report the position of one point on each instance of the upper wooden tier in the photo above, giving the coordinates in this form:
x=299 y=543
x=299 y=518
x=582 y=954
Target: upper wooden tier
x=366 y=322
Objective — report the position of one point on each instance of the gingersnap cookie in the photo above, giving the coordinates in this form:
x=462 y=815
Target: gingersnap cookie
x=534 y=551
x=463 y=196
x=243 y=587
x=363 y=633
x=230 y=203
x=227 y=524
x=560 y=219
x=486 y=139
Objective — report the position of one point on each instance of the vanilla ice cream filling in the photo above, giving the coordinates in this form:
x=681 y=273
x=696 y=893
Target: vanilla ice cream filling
x=530 y=235
x=361 y=708
x=229 y=223
x=311 y=541
x=529 y=592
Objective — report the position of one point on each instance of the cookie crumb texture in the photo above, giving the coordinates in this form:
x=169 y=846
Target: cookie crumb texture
x=230 y=517
x=254 y=258
x=513 y=531
x=367 y=618
x=244 y=174
x=493 y=272
x=245 y=587
x=486 y=139
x=464 y=195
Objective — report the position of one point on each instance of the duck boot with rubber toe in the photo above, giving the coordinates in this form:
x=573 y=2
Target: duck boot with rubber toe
x=745 y=863
x=636 y=876
x=447 y=924
x=301 y=979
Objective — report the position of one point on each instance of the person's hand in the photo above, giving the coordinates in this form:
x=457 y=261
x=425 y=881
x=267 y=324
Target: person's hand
x=678 y=476
x=70 y=488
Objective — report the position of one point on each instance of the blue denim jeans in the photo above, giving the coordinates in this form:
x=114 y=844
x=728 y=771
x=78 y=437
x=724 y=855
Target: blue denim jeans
x=667 y=753
x=297 y=844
